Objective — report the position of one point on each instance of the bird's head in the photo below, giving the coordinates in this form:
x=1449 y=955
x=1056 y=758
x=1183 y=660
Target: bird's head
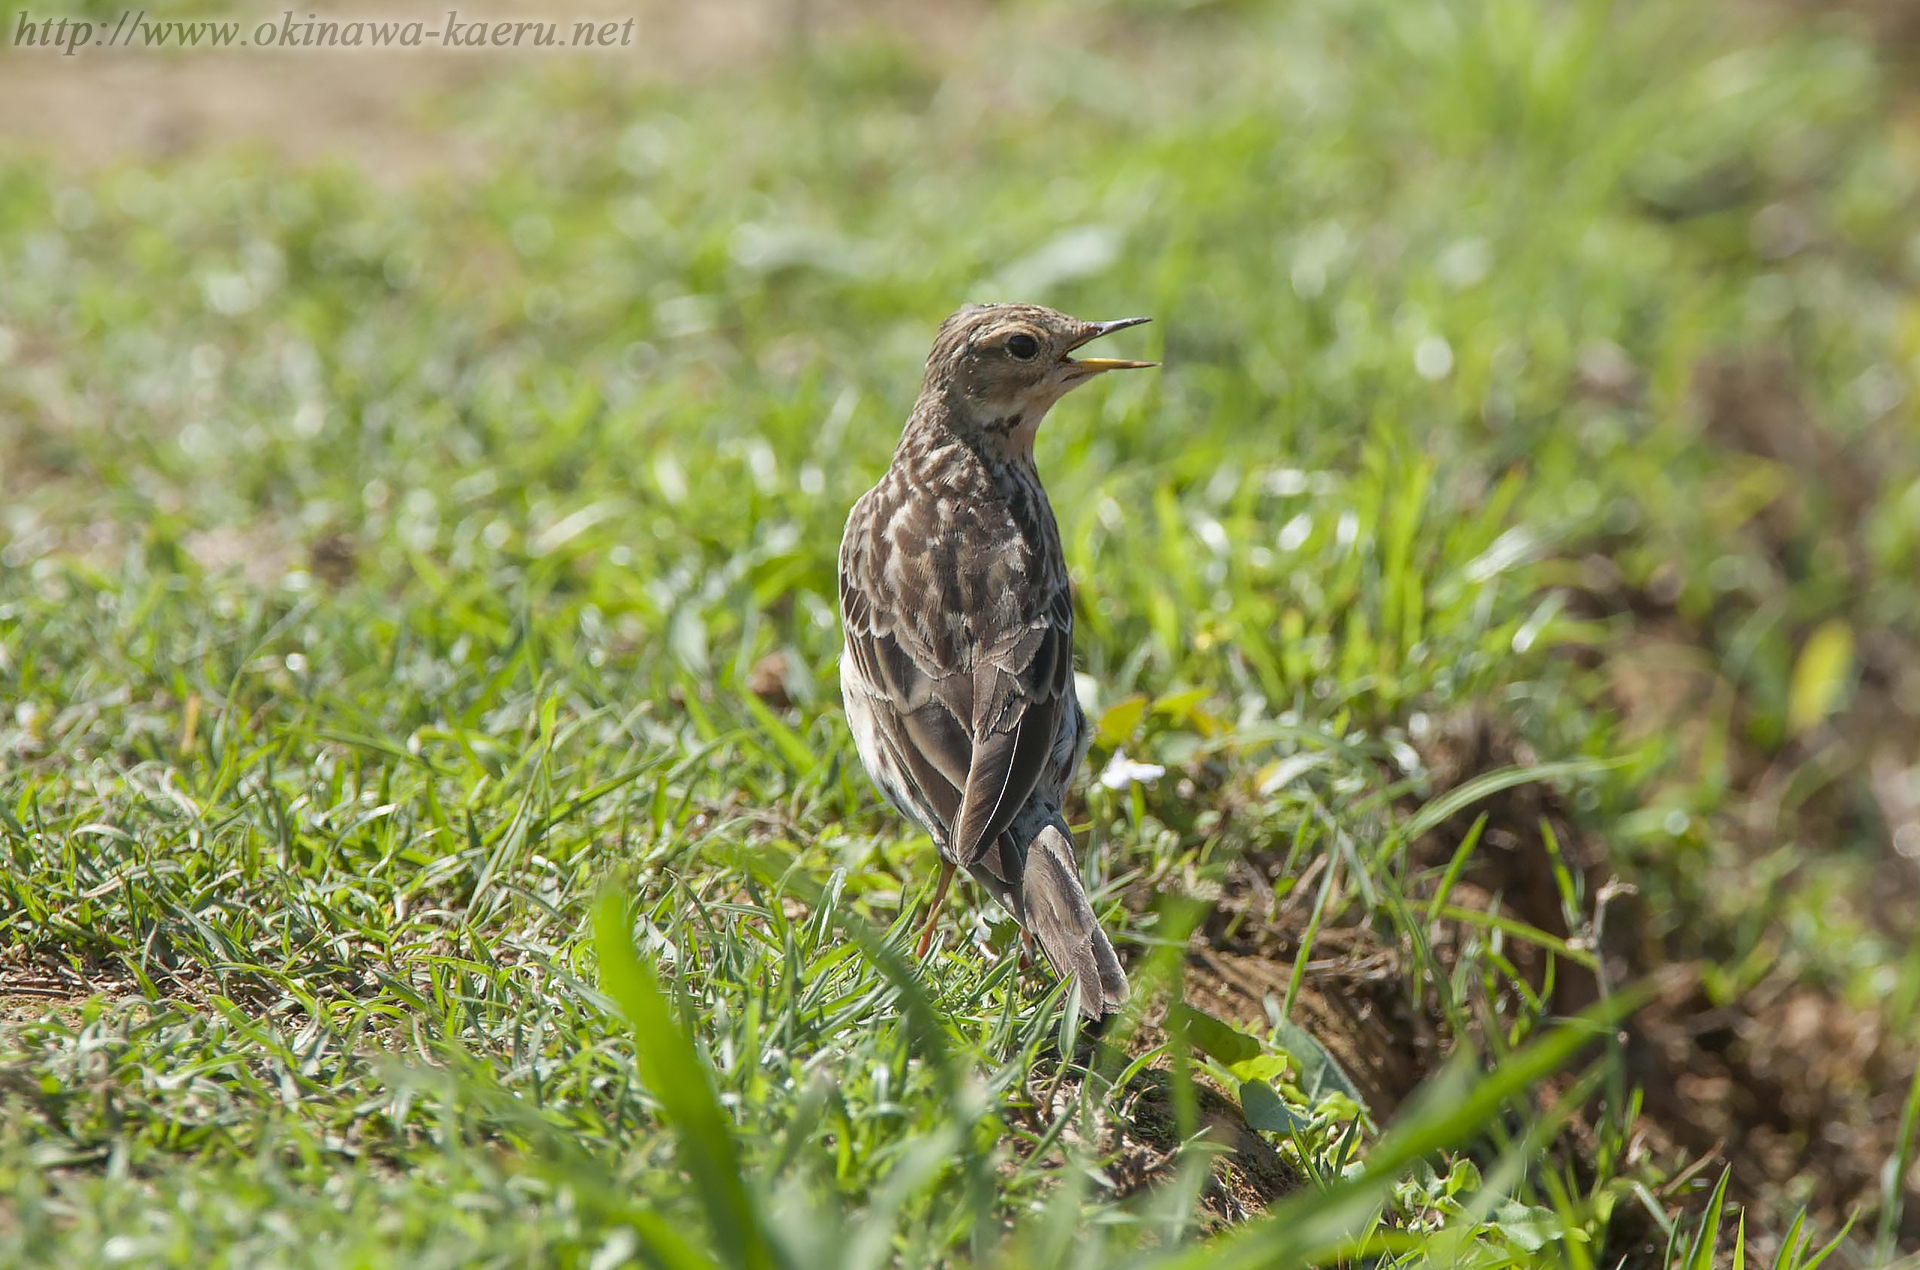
x=996 y=369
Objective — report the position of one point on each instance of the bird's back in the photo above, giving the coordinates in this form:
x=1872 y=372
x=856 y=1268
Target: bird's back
x=951 y=563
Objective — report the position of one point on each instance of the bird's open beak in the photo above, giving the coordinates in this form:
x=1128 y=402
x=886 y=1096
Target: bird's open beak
x=1094 y=365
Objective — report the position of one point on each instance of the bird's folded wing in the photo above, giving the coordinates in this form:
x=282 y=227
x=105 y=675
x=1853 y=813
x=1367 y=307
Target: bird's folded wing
x=918 y=702
x=1020 y=686
x=970 y=723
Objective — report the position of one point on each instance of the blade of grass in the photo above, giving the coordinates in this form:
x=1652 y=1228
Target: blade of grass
x=673 y=1072
x=1448 y=1112
x=1894 y=1198
x=1700 y=1250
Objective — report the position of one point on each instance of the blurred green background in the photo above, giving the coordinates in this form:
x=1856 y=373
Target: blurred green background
x=420 y=477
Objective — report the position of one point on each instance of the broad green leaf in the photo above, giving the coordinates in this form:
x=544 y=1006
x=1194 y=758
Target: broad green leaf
x=1180 y=705
x=1265 y=1111
x=1119 y=720
x=1216 y=1039
x=1268 y=1065
x=1529 y=1227
x=1819 y=673
x=1319 y=1072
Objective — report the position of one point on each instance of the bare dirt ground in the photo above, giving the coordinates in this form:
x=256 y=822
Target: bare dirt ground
x=1788 y=1083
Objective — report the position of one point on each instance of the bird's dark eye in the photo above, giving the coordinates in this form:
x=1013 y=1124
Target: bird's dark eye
x=1023 y=346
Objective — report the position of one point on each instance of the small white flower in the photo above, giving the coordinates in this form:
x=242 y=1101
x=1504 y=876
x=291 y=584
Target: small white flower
x=1122 y=771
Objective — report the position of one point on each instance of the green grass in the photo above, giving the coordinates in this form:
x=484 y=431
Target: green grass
x=383 y=572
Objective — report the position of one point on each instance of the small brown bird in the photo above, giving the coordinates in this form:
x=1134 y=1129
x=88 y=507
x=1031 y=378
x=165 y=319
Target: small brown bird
x=958 y=671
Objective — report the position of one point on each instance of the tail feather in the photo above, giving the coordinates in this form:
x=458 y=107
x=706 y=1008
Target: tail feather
x=1057 y=912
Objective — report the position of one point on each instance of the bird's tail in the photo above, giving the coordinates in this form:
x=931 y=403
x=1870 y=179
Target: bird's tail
x=1058 y=913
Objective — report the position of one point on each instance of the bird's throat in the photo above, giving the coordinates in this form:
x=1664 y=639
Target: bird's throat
x=1002 y=432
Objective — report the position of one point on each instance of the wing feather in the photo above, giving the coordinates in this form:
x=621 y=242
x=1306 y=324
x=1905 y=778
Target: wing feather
x=967 y=701
x=1016 y=713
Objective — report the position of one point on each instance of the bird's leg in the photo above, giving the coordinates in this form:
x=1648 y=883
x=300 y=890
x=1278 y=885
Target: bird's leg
x=933 y=909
